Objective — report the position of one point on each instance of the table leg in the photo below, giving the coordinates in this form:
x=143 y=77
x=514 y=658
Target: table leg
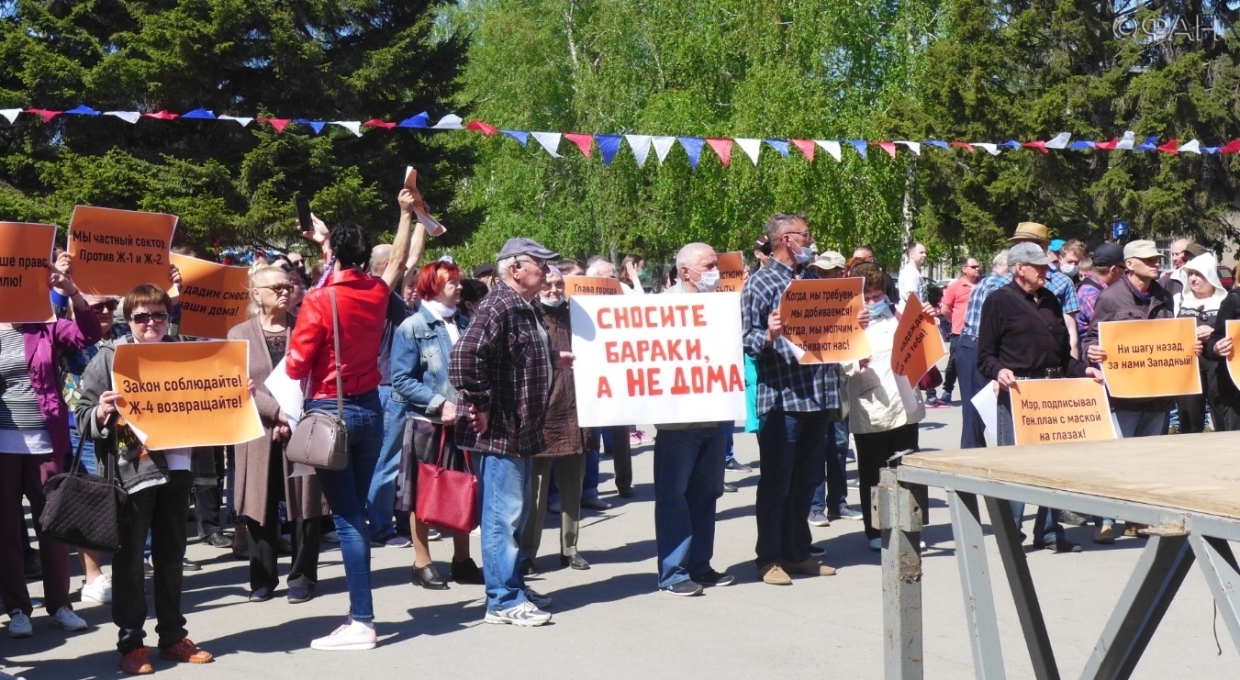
x=1219 y=566
x=1028 y=609
x=897 y=514
x=979 y=599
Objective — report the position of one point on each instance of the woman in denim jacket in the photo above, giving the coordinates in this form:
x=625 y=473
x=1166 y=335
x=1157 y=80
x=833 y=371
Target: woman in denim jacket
x=420 y=352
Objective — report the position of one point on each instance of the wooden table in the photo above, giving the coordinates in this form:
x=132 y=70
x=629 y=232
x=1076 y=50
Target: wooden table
x=1186 y=488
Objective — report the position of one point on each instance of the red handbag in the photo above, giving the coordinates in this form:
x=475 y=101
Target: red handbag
x=446 y=498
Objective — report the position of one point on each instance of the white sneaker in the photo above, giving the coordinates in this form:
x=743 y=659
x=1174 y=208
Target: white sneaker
x=65 y=618
x=99 y=590
x=525 y=615
x=353 y=636
x=538 y=599
x=19 y=625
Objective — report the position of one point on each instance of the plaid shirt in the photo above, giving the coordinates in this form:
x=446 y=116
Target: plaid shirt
x=783 y=383
x=1056 y=282
x=502 y=364
x=1087 y=295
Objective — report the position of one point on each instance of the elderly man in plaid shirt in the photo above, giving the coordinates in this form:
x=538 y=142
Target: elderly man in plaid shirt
x=796 y=406
x=501 y=368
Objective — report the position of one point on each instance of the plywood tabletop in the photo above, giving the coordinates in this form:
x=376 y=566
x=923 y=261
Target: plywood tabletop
x=1195 y=472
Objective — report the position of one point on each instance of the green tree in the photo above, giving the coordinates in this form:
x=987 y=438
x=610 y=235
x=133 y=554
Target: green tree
x=320 y=60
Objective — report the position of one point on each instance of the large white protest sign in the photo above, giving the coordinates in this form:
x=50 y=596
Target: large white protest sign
x=658 y=359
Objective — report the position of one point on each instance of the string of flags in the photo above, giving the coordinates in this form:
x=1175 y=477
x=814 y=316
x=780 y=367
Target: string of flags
x=608 y=145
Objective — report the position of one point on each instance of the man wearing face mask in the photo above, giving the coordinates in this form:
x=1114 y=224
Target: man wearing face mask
x=796 y=406
x=1070 y=255
x=688 y=468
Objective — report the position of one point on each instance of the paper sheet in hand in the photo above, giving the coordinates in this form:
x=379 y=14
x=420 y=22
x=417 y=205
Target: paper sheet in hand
x=433 y=227
x=290 y=395
x=987 y=404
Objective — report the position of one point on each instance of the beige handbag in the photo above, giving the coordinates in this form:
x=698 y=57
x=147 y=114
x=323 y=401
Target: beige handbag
x=321 y=439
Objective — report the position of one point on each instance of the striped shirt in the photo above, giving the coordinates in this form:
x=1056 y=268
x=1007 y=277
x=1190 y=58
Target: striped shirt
x=19 y=407
x=1056 y=282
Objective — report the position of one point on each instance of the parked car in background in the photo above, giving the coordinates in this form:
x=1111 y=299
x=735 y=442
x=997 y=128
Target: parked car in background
x=1226 y=276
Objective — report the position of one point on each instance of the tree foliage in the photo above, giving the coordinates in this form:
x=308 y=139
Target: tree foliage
x=320 y=60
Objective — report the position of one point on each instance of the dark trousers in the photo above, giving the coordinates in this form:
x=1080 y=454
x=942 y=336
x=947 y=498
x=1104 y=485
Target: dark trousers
x=792 y=448
x=873 y=450
x=949 y=376
x=964 y=351
x=162 y=510
x=264 y=538
x=621 y=456
x=24 y=475
x=207 y=500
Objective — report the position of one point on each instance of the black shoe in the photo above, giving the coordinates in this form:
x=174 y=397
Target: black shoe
x=625 y=493
x=729 y=488
x=528 y=568
x=189 y=565
x=428 y=577
x=260 y=594
x=218 y=540
x=714 y=578
x=298 y=594
x=467 y=573
x=685 y=588
x=1072 y=519
x=33 y=566
x=734 y=465
x=1059 y=545
x=595 y=504
x=574 y=561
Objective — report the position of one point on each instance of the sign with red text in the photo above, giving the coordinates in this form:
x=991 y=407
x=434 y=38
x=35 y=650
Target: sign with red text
x=25 y=259
x=115 y=251
x=658 y=358
x=820 y=319
x=731 y=272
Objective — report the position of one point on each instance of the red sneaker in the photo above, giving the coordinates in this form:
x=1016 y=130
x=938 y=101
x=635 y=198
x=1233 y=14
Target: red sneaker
x=135 y=663
x=185 y=651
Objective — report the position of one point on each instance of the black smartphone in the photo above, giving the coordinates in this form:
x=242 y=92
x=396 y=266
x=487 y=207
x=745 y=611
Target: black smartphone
x=303 y=212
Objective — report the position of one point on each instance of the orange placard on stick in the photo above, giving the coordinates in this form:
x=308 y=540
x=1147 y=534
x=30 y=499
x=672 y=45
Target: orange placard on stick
x=919 y=345
x=213 y=297
x=115 y=250
x=25 y=254
x=731 y=272
x=423 y=213
x=1233 y=362
x=1151 y=358
x=820 y=319
x=591 y=285
x=178 y=394
x=1058 y=411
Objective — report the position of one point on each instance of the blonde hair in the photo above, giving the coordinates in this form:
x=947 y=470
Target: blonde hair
x=258 y=274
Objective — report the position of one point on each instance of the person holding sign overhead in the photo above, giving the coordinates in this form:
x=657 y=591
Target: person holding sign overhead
x=1023 y=335
x=796 y=405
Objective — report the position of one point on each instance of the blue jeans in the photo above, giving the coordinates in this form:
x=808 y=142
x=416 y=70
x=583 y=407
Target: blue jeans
x=505 y=492
x=346 y=491
x=1046 y=523
x=381 y=498
x=589 y=490
x=688 y=479
x=88 y=451
x=964 y=353
x=792 y=449
x=831 y=494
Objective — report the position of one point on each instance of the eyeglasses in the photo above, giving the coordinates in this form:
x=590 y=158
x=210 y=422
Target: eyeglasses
x=109 y=306
x=540 y=264
x=970 y=266
x=145 y=317
x=279 y=288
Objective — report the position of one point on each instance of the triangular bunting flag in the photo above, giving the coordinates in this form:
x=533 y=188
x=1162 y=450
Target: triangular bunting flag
x=1081 y=144
x=130 y=117
x=662 y=145
x=1107 y=146
x=640 y=146
x=448 y=122
x=82 y=110
x=1171 y=147
x=723 y=149
x=1231 y=147
x=962 y=145
x=608 y=147
x=519 y=135
x=1150 y=144
x=45 y=114
x=1012 y=144
x=1060 y=141
x=317 y=125
x=780 y=145
x=583 y=142
x=199 y=114
x=889 y=147
x=990 y=148
x=1210 y=150
x=1039 y=145
x=915 y=147
x=860 y=145
x=1191 y=147
x=243 y=122
x=830 y=146
x=11 y=114
x=936 y=142
x=419 y=121
x=550 y=142
x=479 y=126
x=161 y=115
x=354 y=126
x=806 y=147
x=1127 y=141
x=375 y=122
x=751 y=147
x=693 y=147
x=278 y=123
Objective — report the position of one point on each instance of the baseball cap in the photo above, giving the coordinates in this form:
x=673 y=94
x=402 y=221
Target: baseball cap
x=830 y=260
x=484 y=270
x=1108 y=254
x=1027 y=253
x=1056 y=244
x=1141 y=250
x=525 y=246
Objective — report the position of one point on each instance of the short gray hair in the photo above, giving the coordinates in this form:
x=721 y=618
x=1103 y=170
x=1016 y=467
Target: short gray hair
x=682 y=257
x=501 y=267
x=779 y=221
x=592 y=264
x=1000 y=259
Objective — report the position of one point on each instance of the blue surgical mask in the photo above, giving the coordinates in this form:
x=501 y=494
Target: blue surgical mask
x=805 y=255
x=878 y=309
x=1067 y=269
x=548 y=303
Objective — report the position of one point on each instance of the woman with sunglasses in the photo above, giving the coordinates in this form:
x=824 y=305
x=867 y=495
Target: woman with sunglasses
x=34 y=443
x=263 y=473
x=159 y=484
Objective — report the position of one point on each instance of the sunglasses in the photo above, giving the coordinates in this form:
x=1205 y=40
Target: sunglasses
x=147 y=317
x=279 y=288
x=109 y=306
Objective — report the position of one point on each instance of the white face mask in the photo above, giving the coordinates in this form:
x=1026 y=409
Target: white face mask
x=805 y=255
x=1067 y=269
x=709 y=280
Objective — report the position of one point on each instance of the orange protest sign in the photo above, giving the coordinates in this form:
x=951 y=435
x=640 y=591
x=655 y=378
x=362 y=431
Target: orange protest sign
x=213 y=297
x=919 y=345
x=420 y=210
x=1151 y=358
x=591 y=285
x=25 y=253
x=731 y=272
x=1233 y=362
x=820 y=319
x=178 y=394
x=1056 y=411
x=115 y=250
